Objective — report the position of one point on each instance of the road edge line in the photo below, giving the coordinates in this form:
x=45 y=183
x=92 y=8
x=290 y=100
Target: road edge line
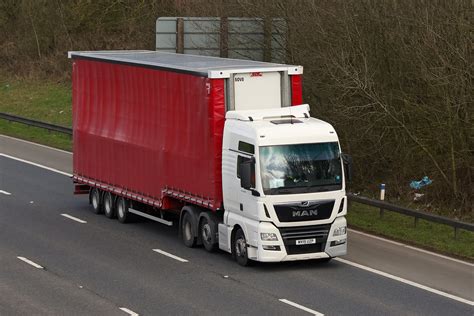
x=36 y=164
x=410 y=247
x=36 y=144
x=405 y=281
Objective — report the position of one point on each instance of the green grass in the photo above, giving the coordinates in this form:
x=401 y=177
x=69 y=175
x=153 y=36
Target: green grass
x=432 y=236
x=43 y=101
x=37 y=135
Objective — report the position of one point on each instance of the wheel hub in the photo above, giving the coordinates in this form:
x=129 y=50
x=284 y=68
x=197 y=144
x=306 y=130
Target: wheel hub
x=240 y=248
x=206 y=232
x=120 y=210
x=187 y=230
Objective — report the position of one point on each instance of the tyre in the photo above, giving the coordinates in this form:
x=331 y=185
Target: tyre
x=121 y=207
x=208 y=233
x=109 y=207
x=188 y=230
x=96 y=200
x=239 y=248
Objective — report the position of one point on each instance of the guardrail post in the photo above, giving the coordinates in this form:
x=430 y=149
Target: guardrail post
x=455 y=232
x=382 y=197
x=416 y=221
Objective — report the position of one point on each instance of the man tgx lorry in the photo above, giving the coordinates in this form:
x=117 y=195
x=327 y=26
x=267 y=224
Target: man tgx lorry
x=225 y=145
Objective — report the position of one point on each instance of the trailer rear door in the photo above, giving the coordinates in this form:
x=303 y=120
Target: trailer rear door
x=258 y=90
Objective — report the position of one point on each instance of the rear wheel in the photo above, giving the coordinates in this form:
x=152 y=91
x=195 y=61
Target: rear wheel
x=96 y=200
x=239 y=248
x=187 y=230
x=109 y=209
x=123 y=215
x=208 y=232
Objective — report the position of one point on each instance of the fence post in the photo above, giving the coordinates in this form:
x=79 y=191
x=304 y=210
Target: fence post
x=382 y=197
x=180 y=35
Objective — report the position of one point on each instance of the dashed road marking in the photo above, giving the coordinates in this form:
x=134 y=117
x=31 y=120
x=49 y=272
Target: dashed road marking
x=5 y=192
x=170 y=255
x=31 y=262
x=74 y=218
x=402 y=280
x=130 y=312
x=304 y=308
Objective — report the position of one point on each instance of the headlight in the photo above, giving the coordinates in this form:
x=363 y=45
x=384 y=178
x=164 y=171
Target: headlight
x=269 y=236
x=339 y=231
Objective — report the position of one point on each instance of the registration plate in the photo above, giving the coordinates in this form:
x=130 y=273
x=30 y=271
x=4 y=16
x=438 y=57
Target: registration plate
x=306 y=241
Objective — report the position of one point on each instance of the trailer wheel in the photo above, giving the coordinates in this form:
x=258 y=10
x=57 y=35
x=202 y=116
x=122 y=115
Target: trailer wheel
x=123 y=215
x=187 y=230
x=208 y=232
x=109 y=208
x=239 y=248
x=96 y=200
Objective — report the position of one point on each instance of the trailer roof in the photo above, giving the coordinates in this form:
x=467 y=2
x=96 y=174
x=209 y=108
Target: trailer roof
x=212 y=67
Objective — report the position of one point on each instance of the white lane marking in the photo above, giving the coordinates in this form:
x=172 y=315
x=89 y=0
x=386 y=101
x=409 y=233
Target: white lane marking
x=412 y=247
x=5 y=192
x=36 y=165
x=306 y=309
x=74 y=218
x=402 y=280
x=170 y=255
x=39 y=145
x=30 y=262
x=130 y=312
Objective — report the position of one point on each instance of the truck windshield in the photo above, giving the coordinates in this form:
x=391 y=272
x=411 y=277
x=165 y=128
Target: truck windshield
x=301 y=168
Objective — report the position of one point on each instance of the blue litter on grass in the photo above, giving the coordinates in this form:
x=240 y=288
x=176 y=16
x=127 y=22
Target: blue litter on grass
x=419 y=184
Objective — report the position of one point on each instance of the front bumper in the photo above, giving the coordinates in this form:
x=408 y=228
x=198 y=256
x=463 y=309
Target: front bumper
x=287 y=250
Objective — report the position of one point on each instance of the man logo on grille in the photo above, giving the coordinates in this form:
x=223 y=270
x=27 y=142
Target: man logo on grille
x=305 y=213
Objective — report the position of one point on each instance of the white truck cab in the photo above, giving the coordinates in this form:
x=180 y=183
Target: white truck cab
x=283 y=187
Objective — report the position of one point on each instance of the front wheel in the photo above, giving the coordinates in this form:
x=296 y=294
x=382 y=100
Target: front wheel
x=239 y=248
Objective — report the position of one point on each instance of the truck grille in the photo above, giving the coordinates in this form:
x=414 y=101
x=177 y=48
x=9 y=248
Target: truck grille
x=304 y=211
x=291 y=234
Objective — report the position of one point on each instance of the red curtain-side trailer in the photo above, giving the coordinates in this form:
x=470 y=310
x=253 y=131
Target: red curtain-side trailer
x=150 y=134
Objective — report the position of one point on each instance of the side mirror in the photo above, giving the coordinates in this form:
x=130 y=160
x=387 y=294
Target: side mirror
x=347 y=161
x=247 y=174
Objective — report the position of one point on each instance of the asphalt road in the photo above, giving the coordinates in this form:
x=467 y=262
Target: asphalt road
x=93 y=265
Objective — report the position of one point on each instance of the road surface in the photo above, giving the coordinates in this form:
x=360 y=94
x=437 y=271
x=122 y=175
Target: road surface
x=57 y=257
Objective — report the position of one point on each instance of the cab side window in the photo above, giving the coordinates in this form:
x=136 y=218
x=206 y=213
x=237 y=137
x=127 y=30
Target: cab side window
x=245 y=148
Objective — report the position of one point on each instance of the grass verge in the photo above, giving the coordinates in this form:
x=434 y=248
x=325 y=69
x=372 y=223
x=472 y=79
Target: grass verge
x=432 y=236
x=44 y=101
x=37 y=135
